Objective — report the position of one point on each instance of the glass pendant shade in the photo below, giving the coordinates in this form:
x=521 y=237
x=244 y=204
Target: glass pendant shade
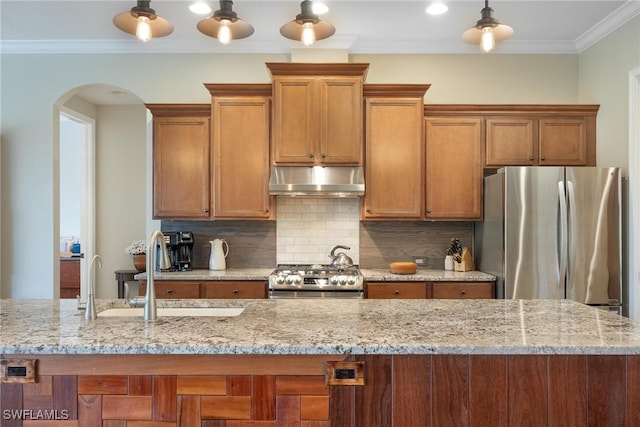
x=225 y=24
x=142 y=22
x=307 y=27
x=488 y=31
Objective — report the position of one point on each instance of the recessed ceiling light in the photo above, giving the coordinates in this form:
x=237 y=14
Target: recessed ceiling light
x=200 y=8
x=437 y=9
x=320 y=8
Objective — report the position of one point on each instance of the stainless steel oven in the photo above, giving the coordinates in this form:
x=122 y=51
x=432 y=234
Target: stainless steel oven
x=315 y=281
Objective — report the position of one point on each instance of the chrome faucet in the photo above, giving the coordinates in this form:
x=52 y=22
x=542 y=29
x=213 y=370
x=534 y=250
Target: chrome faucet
x=90 y=311
x=149 y=300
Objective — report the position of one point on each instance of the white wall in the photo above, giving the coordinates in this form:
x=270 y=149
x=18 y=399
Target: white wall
x=31 y=84
x=604 y=78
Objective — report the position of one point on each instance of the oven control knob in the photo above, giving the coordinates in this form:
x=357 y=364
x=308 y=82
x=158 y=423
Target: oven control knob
x=290 y=279
x=352 y=280
x=280 y=280
x=334 y=280
x=343 y=280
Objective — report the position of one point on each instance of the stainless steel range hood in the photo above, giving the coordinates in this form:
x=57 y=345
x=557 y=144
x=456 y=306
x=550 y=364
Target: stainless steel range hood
x=317 y=181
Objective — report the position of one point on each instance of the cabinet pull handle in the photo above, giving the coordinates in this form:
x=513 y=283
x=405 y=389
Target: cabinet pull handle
x=169 y=291
x=397 y=292
x=235 y=291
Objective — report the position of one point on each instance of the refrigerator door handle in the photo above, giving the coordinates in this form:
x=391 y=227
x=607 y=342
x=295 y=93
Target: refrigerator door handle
x=562 y=202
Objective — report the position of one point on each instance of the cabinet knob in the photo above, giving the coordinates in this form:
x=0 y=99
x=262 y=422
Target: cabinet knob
x=397 y=292
x=311 y=155
x=169 y=291
x=530 y=157
x=463 y=292
x=323 y=156
x=266 y=210
x=368 y=210
x=235 y=291
x=542 y=158
x=205 y=210
x=428 y=210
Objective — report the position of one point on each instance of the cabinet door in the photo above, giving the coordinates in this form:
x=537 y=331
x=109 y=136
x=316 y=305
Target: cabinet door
x=563 y=141
x=241 y=157
x=295 y=127
x=510 y=142
x=254 y=289
x=394 y=159
x=453 y=168
x=181 y=167
x=397 y=290
x=69 y=278
x=463 y=290
x=173 y=289
x=340 y=120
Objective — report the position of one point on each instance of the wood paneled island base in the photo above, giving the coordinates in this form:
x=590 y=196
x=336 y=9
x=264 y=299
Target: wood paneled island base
x=289 y=390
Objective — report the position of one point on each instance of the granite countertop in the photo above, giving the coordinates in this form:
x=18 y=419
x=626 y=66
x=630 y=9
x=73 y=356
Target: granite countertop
x=325 y=326
x=369 y=274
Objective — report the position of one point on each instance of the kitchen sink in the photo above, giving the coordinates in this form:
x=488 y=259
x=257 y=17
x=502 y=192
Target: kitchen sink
x=175 y=312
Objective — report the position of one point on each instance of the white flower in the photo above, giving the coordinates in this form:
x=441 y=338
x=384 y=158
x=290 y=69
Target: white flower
x=136 y=248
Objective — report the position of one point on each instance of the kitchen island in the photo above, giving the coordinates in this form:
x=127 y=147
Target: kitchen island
x=453 y=362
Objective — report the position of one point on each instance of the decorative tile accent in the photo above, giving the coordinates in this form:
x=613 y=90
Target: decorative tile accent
x=308 y=228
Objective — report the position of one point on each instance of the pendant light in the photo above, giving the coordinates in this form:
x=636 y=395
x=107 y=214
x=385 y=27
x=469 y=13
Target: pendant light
x=143 y=22
x=225 y=24
x=488 y=31
x=307 y=27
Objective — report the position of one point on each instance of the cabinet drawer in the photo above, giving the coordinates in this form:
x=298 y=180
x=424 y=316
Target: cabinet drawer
x=235 y=289
x=397 y=290
x=174 y=289
x=70 y=274
x=463 y=290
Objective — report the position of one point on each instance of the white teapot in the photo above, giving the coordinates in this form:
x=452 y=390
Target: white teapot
x=219 y=251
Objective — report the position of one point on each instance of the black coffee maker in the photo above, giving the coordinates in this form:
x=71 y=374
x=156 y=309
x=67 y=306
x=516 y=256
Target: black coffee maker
x=180 y=248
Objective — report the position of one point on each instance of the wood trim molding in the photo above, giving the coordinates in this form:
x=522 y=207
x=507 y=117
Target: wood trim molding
x=395 y=90
x=317 y=69
x=180 y=364
x=510 y=109
x=177 y=110
x=239 y=89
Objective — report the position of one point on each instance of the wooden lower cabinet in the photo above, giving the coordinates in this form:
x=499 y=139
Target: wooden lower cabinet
x=435 y=290
x=462 y=290
x=235 y=289
x=212 y=289
x=69 y=278
x=283 y=390
x=396 y=290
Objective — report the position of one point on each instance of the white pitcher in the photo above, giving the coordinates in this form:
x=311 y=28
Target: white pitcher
x=219 y=251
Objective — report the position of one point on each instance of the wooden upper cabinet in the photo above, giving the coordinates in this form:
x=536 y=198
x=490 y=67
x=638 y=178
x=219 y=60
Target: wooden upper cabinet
x=453 y=168
x=240 y=152
x=511 y=142
x=394 y=157
x=539 y=135
x=317 y=113
x=563 y=141
x=181 y=182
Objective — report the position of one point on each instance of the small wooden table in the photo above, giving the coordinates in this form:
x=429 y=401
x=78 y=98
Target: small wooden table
x=124 y=276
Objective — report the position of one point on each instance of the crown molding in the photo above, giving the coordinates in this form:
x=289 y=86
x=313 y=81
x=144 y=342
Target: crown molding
x=607 y=25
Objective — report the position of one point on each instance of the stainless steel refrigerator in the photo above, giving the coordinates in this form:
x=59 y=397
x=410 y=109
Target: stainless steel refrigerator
x=553 y=232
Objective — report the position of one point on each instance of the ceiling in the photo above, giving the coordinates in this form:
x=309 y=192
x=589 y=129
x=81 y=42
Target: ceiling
x=382 y=26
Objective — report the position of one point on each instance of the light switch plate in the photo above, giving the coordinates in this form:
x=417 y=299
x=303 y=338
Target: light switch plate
x=344 y=373
x=18 y=370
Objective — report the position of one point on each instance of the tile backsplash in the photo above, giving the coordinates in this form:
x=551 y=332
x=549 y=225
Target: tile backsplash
x=307 y=229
